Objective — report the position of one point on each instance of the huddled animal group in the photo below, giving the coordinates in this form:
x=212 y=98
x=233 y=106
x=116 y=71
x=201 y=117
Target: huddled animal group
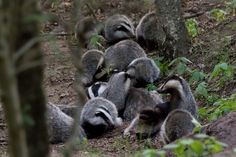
x=115 y=82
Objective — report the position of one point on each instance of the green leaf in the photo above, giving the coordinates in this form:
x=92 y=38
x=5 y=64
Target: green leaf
x=197 y=147
x=171 y=146
x=197 y=76
x=150 y=153
x=218 y=14
x=201 y=89
x=224 y=66
x=201 y=136
x=151 y=87
x=181 y=68
x=185 y=60
x=161 y=153
x=186 y=141
x=192 y=27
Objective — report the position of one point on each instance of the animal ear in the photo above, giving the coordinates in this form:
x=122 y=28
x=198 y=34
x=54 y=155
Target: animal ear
x=150 y=115
x=131 y=73
x=160 y=89
x=100 y=63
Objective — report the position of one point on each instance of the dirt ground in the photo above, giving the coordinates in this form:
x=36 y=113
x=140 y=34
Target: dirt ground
x=59 y=69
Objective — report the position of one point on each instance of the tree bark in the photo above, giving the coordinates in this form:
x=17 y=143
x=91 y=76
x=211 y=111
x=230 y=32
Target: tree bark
x=26 y=56
x=177 y=41
x=77 y=53
x=10 y=97
x=30 y=82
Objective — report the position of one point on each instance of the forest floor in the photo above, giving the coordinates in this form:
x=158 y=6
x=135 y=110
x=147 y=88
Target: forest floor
x=210 y=47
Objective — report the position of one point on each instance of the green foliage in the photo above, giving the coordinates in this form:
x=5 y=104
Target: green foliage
x=218 y=14
x=151 y=153
x=163 y=65
x=180 y=66
x=202 y=145
x=95 y=41
x=151 y=87
x=203 y=84
x=196 y=76
x=192 y=27
x=223 y=72
x=202 y=89
x=219 y=108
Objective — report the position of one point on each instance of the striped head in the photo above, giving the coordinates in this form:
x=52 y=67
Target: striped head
x=96 y=89
x=118 y=27
x=173 y=84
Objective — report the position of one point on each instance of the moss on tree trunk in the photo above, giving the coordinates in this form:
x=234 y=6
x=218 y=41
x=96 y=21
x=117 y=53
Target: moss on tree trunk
x=177 y=41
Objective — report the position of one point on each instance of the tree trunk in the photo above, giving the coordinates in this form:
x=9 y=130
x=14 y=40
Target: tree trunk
x=30 y=82
x=25 y=54
x=10 y=96
x=77 y=53
x=177 y=41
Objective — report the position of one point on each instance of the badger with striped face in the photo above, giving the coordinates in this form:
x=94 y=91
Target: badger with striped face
x=149 y=32
x=147 y=111
x=96 y=89
x=120 y=55
x=117 y=90
x=118 y=27
x=144 y=71
x=182 y=109
x=178 y=123
x=98 y=116
x=95 y=57
x=181 y=96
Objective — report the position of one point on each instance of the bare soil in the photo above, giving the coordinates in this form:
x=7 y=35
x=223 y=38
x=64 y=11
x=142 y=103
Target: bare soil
x=224 y=129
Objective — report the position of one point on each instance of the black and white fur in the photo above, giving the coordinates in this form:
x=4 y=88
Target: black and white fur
x=60 y=125
x=144 y=71
x=178 y=123
x=117 y=90
x=138 y=99
x=118 y=27
x=182 y=107
x=96 y=89
x=98 y=116
x=149 y=33
x=120 y=55
x=146 y=110
x=181 y=96
x=92 y=61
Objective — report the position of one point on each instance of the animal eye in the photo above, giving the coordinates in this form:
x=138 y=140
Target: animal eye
x=122 y=28
x=119 y=27
x=115 y=70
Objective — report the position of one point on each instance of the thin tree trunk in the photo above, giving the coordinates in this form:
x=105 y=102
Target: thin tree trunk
x=177 y=41
x=30 y=82
x=11 y=105
x=25 y=54
x=8 y=82
x=77 y=53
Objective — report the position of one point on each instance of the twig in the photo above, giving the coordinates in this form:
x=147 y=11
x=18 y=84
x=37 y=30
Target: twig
x=28 y=66
x=75 y=14
x=61 y=34
x=91 y=10
x=193 y=15
x=24 y=49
